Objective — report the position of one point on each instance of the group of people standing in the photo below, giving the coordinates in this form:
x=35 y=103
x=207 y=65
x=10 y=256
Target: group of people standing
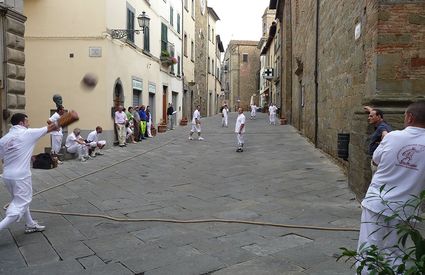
x=133 y=124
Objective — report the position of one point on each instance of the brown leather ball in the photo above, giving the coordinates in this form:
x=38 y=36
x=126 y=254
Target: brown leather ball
x=89 y=81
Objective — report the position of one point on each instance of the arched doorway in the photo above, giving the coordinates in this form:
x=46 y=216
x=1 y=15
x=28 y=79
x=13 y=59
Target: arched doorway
x=117 y=100
x=118 y=96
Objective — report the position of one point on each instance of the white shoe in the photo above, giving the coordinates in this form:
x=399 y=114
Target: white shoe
x=93 y=155
x=83 y=159
x=99 y=154
x=34 y=228
x=200 y=138
x=190 y=138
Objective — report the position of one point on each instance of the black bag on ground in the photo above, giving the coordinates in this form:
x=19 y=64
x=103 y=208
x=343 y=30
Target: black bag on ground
x=43 y=161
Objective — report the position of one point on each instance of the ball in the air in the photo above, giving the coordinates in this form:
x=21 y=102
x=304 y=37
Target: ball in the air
x=89 y=81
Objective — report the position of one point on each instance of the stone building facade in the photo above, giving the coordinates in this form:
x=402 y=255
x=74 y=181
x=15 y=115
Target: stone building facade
x=343 y=54
x=12 y=71
x=201 y=56
x=242 y=70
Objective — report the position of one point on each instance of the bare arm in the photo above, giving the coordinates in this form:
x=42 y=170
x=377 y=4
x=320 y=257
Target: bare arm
x=368 y=109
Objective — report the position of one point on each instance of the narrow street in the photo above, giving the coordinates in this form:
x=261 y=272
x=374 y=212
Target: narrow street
x=279 y=178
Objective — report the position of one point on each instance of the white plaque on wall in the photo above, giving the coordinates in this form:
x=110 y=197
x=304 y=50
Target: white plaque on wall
x=95 y=52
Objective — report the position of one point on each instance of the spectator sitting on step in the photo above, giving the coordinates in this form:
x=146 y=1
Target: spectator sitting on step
x=96 y=145
x=76 y=144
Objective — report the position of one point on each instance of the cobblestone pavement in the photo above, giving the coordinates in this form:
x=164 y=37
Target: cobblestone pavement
x=279 y=178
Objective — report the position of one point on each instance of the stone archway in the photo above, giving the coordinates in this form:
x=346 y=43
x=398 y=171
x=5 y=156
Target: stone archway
x=118 y=95
x=117 y=100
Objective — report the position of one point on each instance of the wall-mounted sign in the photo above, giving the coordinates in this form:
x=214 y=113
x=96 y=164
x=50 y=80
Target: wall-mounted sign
x=152 y=88
x=268 y=73
x=95 y=52
x=137 y=85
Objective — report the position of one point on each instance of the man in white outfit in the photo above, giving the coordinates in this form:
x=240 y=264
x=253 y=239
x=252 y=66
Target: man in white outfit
x=272 y=114
x=96 y=145
x=253 y=111
x=400 y=157
x=196 y=124
x=224 y=116
x=16 y=149
x=56 y=136
x=240 y=130
x=76 y=144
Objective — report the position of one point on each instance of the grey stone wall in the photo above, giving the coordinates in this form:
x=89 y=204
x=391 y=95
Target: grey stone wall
x=201 y=60
x=384 y=67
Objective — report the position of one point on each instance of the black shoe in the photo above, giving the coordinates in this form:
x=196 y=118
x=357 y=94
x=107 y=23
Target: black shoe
x=239 y=150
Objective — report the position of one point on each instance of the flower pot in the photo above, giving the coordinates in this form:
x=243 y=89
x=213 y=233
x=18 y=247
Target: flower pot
x=162 y=128
x=283 y=121
x=183 y=122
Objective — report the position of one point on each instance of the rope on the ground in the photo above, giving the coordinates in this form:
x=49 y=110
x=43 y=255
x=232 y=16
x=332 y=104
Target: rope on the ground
x=167 y=220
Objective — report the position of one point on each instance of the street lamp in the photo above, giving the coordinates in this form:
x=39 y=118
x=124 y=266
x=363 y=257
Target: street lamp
x=143 y=21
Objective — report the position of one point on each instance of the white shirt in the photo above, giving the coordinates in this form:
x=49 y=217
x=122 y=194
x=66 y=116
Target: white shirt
x=401 y=164
x=225 y=111
x=93 y=136
x=55 y=117
x=196 y=116
x=239 y=121
x=120 y=118
x=253 y=108
x=16 y=149
x=71 y=139
x=272 y=110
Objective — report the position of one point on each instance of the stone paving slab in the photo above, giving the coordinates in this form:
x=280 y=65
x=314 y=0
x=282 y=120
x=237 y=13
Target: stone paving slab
x=280 y=178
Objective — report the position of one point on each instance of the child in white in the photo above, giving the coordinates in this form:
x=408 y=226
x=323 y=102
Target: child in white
x=253 y=111
x=95 y=144
x=272 y=114
x=240 y=130
x=196 y=124
x=76 y=144
x=224 y=115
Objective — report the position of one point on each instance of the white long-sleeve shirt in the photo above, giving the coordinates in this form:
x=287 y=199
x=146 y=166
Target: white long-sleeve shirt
x=16 y=149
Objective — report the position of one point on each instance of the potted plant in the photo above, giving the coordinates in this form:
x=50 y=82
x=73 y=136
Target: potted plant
x=162 y=126
x=167 y=59
x=183 y=121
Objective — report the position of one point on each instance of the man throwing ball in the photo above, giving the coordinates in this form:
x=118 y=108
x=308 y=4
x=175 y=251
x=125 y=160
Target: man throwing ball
x=16 y=149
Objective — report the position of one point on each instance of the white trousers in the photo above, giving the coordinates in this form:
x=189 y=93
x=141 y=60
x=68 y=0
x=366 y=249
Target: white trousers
x=148 y=128
x=80 y=149
x=21 y=193
x=240 y=138
x=121 y=133
x=99 y=144
x=370 y=235
x=56 y=143
x=224 y=121
x=272 y=118
x=196 y=128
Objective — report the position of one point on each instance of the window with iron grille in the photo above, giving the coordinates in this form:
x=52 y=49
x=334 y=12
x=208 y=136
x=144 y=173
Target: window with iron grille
x=178 y=65
x=178 y=22
x=146 y=38
x=185 y=44
x=164 y=37
x=130 y=24
x=244 y=57
x=171 y=16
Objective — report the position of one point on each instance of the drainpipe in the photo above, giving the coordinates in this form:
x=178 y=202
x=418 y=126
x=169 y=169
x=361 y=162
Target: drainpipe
x=182 y=62
x=316 y=80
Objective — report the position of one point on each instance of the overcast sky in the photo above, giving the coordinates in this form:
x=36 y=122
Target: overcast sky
x=240 y=19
